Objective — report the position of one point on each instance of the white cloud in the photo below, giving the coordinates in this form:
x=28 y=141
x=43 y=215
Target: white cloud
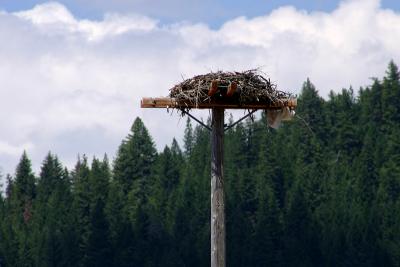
x=74 y=85
x=53 y=18
x=15 y=151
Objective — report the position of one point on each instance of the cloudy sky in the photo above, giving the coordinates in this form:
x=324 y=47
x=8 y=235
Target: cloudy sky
x=72 y=72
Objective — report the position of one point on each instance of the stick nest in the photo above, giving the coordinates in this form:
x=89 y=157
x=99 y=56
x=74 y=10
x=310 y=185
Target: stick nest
x=252 y=87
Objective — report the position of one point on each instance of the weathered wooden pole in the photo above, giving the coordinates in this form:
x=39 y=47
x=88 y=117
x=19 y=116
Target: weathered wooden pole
x=218 y=105
x=217 y=190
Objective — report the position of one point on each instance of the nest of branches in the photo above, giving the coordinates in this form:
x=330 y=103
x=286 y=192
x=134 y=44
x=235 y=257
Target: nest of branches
x=248 y=87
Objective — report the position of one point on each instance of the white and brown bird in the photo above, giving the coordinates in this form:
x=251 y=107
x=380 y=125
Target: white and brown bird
x=232 y=88
x=213 y=88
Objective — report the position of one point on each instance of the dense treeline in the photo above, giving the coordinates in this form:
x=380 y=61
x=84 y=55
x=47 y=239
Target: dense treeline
x=324 y=190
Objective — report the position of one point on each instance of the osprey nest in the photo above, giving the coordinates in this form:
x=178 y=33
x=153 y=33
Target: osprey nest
x=248 y=87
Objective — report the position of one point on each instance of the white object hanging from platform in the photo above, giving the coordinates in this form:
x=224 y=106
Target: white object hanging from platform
x=276 y=116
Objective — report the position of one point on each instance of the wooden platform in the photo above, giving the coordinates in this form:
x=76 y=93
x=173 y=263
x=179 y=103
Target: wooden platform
x=166 y=102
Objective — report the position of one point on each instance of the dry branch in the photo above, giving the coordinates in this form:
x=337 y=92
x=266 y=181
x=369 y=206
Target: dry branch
x=230 y=88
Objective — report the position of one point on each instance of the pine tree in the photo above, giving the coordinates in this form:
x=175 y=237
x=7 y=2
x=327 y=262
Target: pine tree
x=323 y=190
x=99 y=179
x=307 y=154
x=188 y=138
x=9 y=239
x=134 y=175
x=121 y=234
x=391 y=97
x=301 y=249
x=53 y=216
x=310 y=108
x=24 y=189
x=98 y=246
x=23 y=193
x=267 y=245
x=240 y=196
x=81 y=207
x=2 y=218
x=135 y=159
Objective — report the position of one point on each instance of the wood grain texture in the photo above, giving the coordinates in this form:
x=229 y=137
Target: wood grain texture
x=166 y=102
x=217 y=190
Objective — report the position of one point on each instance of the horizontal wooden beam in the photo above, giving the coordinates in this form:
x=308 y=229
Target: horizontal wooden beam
x=166 y=102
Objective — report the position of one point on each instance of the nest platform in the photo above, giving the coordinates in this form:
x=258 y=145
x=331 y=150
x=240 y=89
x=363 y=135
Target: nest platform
x=228 y=90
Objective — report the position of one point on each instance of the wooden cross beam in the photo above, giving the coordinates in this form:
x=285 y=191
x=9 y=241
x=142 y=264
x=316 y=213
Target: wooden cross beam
x=166 y=102
x=217 y=143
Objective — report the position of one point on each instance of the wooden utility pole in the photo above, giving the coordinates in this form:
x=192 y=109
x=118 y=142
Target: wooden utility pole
x=217 y=156
x=217 y=190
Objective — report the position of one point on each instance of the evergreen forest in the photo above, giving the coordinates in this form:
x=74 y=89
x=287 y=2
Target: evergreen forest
x=323 y=190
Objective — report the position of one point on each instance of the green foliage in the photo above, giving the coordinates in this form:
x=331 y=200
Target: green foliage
x=135 y=157
x=188 y=138
x=324 y=190
x=52 y=215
